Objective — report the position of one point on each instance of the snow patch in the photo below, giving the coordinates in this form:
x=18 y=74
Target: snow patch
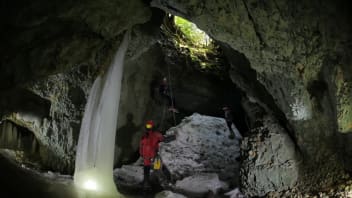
x=201 y=184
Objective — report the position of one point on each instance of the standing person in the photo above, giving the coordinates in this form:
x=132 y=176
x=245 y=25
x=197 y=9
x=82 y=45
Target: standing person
x=229 y=119
x=165 y=91
x=149 y=146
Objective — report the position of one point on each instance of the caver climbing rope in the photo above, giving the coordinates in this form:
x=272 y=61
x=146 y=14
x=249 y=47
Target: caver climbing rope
x=172 y=103
x=171 y=96
x=162 y=117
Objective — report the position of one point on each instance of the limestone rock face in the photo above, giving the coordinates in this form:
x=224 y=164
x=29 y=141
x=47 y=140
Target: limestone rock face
x=58 y=126
x=21 y=143
x=296 y=62
x=271 y=160
x=42 y=37
x=202 y=145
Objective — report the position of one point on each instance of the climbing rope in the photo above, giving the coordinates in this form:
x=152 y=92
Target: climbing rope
x=171 y=96
x=164 y=104
x=162 y=117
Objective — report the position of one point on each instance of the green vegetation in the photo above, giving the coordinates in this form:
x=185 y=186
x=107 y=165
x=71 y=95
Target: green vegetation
x=197 y=37
x=193 y=42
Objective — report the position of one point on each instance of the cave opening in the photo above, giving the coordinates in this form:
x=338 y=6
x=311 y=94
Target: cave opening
x=201 y=50
x=288 y=60
x=20 y=145
x=187 y=46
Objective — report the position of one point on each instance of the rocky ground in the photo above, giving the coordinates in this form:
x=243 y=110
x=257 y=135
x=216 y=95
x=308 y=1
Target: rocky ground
x=343 y=189
x=201 y=161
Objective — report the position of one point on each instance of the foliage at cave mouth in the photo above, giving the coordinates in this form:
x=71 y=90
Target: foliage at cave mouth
x=193 y=42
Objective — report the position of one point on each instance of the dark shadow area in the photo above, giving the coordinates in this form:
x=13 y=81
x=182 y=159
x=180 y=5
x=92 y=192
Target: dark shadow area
x=22 y=142
x=18 y=182
x=22 y=100
x=245 y=77
x=317 y=89
x=124 y=136
x=77 y=96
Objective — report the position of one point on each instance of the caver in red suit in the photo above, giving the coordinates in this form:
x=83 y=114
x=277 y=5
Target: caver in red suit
x=148 y=148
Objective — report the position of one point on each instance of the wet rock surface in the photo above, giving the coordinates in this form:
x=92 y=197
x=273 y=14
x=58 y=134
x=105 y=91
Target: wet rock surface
x=271 y=160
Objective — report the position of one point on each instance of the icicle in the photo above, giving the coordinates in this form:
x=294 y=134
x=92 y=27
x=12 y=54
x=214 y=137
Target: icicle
x=95 y=149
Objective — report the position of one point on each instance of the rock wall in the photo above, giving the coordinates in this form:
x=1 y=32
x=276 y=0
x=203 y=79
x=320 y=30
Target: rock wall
x=299 y=52
x=58 y=127
x=41 y=37
x=22 y=142
x=271 y=160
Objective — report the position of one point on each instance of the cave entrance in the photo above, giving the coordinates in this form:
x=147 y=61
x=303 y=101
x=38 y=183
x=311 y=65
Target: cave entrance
x=192 y=41
x=196 y=50
x=19 y=144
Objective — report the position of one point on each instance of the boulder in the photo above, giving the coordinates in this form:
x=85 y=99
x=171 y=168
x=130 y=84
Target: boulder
x=168 y=194
x=199 y=185
x=202 y=145
x=271 y=160
x=129 y=177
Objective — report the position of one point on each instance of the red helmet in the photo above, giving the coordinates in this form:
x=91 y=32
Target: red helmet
x=149 y=124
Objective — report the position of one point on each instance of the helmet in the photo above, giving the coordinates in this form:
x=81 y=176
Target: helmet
x=149 y=124
x=225 y=108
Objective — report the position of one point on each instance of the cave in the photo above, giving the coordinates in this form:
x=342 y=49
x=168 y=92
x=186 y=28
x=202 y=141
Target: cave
x=21 y=143
x=282 y=67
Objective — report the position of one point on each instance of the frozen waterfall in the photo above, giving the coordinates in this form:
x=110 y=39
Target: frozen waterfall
x=95 y=149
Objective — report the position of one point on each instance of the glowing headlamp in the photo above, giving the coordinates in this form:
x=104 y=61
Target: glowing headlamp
x=90 y=185
x=148 y=126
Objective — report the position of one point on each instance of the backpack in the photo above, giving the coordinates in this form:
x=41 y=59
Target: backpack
x=157 y=163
